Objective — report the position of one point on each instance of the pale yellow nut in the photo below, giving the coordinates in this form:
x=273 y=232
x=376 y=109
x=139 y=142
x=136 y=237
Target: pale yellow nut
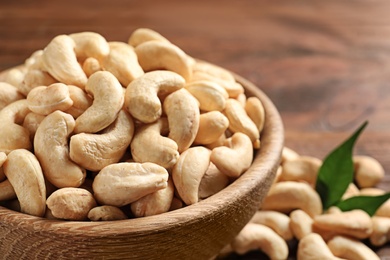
x=303 y=168
x=149 y=145
x=81 y=101
x=24 y=173
x=368 y=171
x=11 y=117
x=242 y=99
x=15 y=76
x=212 y=182
x=89 y=44
x=123 y=183
x=351 y=191
x=234 y=159
x=300 y=223
x=313 y=247
x=35 y=78
x=34 y=61
x=106 y=213
x=288 y=154
x=51 y=148
x=31 y=123
x=384 y=209
x=188 y=172
x=182 y=111
x=154 y=203
x=142 y=35
x=3 y=157
x=349 y=248
x=90 y=66
x=108 y=100
x=156 y=55
x=210 y=95
x=380 y=231
x=141 y=97
x=356 y=223
x=122 y=62
x=95 y=151
x=59 y=59
x=213 y=70
x=45 y=100
x=71 y=203
x=217 y=143
x=8 y=94
x=260 y=237
x=290 y=195
x=255 y=110
x=211 y=126
x=371 y=192
x=278 y=222
x=239 y=120
x=7 y=191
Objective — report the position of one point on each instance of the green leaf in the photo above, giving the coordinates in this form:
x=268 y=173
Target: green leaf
x=336 y=172
x=369 y=204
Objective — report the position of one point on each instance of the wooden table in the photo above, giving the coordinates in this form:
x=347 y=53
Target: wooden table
x=325 y=64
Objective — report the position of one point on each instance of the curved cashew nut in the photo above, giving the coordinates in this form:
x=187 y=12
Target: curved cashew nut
x=304 y=168
x=81 y=101
x=239 y=121
x=239 y=152
x=128 y=182
x=351 y=191
x=141 y=97
x=300 y=223
x=212 y=182
x=165 y=150
x=356 y=223
x=7 y=191
x=288 y=154
x=51 y=148
x=106 y=213
x=17 y=136
x=25 y=175
x=182 y=111
x=289 y=195
x=255 y=110
x=211 y=126
x=15 y=76
x=188 y=172
x=122 y=62
x=256 y=236
x=142 y=35
x=155 y=55
x=279 y=222
x=154 y=203
x=34 y=61
x=3 y=157
x=31 y=123
x=89 y=44
x=105 y=108
x=380 y=231
x=8 y=94
x=90 y=66
x=59 y=59
x=35 y=78
x=213 y=71
x=350 y=248
x=71 y=203
x=45 y=100
x=368 y=171
x=313 y=247
x=210 y=95
x=95 y=151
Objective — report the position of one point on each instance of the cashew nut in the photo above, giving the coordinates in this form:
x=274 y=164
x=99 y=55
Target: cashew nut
x=300 y=223
x=356 y=223
x=31 y=123
x=255 y=110
x=368 y=171
x=371 y=192
x=165 y=150
x=289 y=195
x=212 y=182
x=51 y=148
x=15 y=76
x=17 y=136
x=380 y=231
x=45 y=100
x=256 y=236
x=90 y=66
x=288 y=154
x=34 y=61
x=182 y=111
x=350 y=248
x=3 y=158
x=156 y=54
x=122 y=62
x=95 y=151
x=106 y=213
x=128 y=182
x=81 y=101
x=59 y=59
x=8 y=94
x=213 y=71
x=188 y=172
x=89 y=44
x=142 y=35
x=210 y=95
x=239 y=121
x=304 y=168
x=105 y=108
x=35 y=78
x=7 y=191
x=351 y=191
x=240 y=153
x=278 y=222
x=141 y=97
x=154 y=203
x=25 y=175
x=313 y=247
x=71 y=203
x=211 y=126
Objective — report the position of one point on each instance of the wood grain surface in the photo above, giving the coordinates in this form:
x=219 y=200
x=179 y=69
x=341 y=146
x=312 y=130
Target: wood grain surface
x=324 y=63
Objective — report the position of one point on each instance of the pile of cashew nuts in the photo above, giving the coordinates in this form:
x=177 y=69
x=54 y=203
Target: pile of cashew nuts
x=98 y=130
x=292 y=211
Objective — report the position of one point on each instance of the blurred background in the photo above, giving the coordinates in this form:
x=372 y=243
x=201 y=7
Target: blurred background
x=324 y=64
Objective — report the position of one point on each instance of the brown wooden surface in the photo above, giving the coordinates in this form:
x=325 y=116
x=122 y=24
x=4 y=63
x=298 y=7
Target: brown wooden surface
x=325 y=64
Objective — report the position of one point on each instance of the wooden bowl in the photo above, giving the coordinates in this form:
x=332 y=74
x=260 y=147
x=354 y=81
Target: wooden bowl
x=198 y=231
